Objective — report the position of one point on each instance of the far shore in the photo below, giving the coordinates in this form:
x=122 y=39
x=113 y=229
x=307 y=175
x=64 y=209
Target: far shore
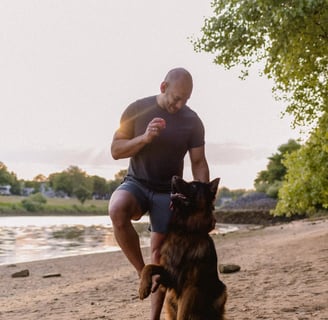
x=51 y=214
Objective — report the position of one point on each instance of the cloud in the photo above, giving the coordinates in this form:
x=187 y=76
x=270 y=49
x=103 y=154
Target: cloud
x=237 y=164
x=233 y=153
x=224 y=154
x=28 y=162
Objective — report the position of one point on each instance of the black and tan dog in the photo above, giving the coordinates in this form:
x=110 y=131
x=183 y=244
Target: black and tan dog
x=188 y=267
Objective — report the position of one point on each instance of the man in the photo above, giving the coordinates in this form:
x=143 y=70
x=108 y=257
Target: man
x=155 y=133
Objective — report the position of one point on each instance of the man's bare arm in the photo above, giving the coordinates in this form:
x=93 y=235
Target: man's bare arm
x=124 y=147
x=199 y=166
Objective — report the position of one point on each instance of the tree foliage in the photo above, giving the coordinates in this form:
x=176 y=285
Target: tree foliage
x=82 y=193
x=77 y=183
x=289 y=36
x=270 y=180
x=100 y=186
x=119 y=176
x=5 y=176
x=290 y=39
x=74 y=182
x=9 y=178
x=225 y=194
x=34 y=202
x=305 y=189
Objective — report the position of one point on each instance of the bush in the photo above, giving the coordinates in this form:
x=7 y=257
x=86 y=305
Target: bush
x=34 y=202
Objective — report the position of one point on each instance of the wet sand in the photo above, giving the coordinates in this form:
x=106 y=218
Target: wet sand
x=284 y=275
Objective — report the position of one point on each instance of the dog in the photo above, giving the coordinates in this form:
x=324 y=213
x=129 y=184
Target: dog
x=188 y=265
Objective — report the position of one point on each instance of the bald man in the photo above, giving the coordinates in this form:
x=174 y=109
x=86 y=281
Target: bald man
x=155 y=133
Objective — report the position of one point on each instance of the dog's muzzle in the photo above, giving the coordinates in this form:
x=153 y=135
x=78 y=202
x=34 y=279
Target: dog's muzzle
x=178 y=198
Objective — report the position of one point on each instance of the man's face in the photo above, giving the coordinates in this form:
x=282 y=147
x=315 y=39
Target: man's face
x=175 y=95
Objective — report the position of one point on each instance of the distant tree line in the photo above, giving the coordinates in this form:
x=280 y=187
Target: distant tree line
x=284 y=178
x=270 y=180
x=72 y=182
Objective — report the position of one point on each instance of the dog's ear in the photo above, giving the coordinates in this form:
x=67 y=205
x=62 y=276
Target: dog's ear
x=214 y=185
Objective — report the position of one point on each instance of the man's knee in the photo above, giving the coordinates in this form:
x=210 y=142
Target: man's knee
x=122 y=209
x=117 y=217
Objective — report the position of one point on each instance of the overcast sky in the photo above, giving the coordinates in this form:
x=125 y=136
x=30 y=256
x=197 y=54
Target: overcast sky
x=68 y=68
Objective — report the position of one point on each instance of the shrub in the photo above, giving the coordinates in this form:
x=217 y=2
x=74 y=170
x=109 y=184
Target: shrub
x=34 y=202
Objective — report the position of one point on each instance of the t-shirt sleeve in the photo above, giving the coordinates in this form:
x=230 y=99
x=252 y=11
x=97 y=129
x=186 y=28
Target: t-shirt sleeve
x=127 y=121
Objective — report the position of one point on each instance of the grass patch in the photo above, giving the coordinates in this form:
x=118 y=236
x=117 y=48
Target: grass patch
x=12 y=205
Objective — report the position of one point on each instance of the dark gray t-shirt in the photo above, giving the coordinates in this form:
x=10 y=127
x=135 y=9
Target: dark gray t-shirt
x=161 y=159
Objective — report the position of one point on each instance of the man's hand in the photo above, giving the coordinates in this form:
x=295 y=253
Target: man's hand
x=154 y=128
x=124 y=147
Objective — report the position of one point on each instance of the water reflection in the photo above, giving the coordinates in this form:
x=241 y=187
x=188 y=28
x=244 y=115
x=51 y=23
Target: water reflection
x=19 y=244
x=36 y=238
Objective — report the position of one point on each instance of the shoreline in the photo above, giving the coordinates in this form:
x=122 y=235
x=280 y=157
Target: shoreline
x=25 y=239
x=283 y=276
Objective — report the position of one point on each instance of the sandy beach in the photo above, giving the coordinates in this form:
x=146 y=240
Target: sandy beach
x=284 y=275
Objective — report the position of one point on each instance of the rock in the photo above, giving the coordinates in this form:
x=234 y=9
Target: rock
x=11 y=266
x=21 y=274
x=228 y=268
x=51 y=275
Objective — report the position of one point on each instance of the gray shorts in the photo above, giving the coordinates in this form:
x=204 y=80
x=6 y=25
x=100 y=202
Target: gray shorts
x=155 y=203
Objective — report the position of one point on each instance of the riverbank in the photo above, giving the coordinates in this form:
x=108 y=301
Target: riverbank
x=283 y=276
x=14 y=206
x=30 y=238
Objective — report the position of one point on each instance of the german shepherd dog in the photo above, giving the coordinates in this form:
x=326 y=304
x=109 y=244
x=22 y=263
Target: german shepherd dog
x=188 y=265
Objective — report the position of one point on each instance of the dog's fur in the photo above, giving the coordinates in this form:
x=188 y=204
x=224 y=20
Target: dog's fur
x=188 y=265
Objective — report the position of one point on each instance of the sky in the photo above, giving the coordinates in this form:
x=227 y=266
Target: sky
x=68 y=68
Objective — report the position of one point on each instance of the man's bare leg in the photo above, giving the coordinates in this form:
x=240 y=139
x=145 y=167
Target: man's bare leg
x=157 y=298
x=122 y=208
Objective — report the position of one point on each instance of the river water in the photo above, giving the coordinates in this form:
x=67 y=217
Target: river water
x=35 y=238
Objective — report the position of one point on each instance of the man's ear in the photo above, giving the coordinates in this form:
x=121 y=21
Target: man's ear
x=163 y=86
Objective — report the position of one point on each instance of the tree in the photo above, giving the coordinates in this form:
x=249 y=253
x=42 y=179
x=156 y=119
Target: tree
x=82 y=193
x=40 y=178
x=289 y=36
x=60 y=181
x=34 y=202
x=5 y=176
x=305 y=189
x=119 y=176
x=270 y=180
x=9 y=178
x=113 y=184
x=100 y=186
x=225 y=193
x=71 y=181
x=35 y=183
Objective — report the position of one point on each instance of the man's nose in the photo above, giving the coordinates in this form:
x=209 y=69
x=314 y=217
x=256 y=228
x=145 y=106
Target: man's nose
x=179 y=104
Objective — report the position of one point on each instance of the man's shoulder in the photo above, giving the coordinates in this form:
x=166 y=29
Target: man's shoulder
x=151 y=100
x=187 y=111
x=136 y=106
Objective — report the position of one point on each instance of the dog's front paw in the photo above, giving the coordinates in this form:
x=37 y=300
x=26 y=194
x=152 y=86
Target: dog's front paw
x=150 y=280
x=144 y=288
